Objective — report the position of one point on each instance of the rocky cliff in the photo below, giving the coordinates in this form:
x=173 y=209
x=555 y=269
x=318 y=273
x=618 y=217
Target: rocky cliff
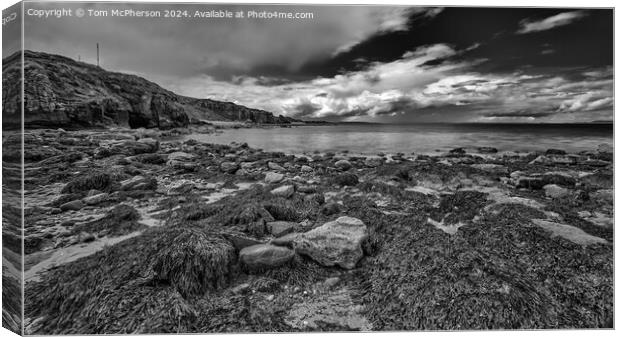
x=61 y=92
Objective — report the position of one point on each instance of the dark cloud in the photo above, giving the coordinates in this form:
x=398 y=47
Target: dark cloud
x=520 y=114
x=305 y=109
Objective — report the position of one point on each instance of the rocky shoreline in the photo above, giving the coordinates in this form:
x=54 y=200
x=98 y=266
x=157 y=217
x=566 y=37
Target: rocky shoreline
x=130 y=231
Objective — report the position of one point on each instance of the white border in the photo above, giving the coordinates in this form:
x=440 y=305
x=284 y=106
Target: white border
x=469 y=3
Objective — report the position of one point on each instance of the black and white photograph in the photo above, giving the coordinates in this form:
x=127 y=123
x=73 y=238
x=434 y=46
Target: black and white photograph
x=263 y=168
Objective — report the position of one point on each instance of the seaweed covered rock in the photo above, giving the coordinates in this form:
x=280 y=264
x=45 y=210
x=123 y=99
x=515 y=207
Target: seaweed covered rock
x=343 y=164
x=120 y=220
x=330 y=208
x=531 y=183
x=94 y=181
x=603 y=196
x=265 y=256
x=346 y=179
x=150 y=158
x=555 y=152
x=558 y=178
x=458 y=150
x=337 y=242
x=132 y=147
x=598 y=180
x=193 y=261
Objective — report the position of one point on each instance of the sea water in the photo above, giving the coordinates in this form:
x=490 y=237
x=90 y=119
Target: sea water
x=417 y=138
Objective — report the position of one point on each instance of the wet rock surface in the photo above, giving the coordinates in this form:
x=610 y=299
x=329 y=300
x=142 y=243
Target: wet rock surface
x=478 y=239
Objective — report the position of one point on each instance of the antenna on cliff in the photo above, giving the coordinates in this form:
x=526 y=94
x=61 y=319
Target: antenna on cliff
x=97 y=54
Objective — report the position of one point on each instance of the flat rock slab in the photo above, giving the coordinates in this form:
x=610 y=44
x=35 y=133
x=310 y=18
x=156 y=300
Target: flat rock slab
x=568 y=232
x=265 y=256
x=337 y=242
x=450 y=229
x=423 y=190
x=335 y=309
x=95 y=199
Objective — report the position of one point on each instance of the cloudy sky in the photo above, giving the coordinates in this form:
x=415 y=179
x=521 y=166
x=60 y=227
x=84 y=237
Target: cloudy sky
x=361 y=63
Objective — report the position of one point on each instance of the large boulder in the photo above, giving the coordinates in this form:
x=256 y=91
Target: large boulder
x=337 y=242
x=265 y=256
